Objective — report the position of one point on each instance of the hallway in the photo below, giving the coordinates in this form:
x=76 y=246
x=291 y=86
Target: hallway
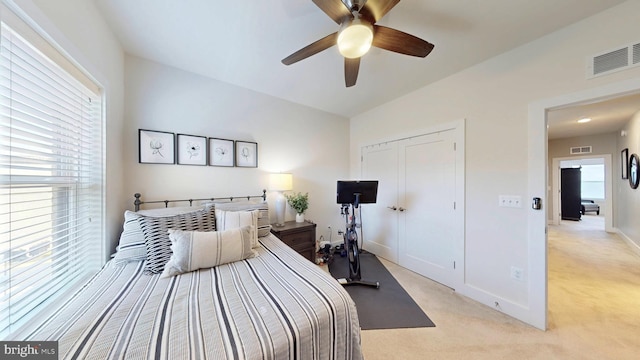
x=594 y=287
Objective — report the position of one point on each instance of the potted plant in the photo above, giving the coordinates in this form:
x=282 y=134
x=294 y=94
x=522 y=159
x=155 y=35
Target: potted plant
x=300 y=203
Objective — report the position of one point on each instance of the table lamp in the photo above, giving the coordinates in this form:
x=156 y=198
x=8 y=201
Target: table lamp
x=280 y=182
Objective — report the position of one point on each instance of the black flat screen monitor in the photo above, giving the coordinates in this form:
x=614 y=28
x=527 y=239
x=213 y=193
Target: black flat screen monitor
x=368 y=190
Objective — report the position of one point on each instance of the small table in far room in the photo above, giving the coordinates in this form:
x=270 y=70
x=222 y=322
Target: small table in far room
x=301 y=237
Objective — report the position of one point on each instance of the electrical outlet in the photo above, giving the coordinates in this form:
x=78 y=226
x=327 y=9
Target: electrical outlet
x=338 y=239
x=517 y=273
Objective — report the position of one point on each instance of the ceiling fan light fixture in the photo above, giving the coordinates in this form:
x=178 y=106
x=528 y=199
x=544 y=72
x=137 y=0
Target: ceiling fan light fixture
x=357 y=34
x=355 y=38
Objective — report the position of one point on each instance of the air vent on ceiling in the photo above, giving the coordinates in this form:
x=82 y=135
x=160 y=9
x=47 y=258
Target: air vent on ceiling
x=615 y=60
x=580 y=150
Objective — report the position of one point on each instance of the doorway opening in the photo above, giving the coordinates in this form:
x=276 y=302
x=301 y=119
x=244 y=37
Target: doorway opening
x=539 y=183
x=597 y=187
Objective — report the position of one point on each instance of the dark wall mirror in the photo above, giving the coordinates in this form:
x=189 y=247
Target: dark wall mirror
x=633 y=171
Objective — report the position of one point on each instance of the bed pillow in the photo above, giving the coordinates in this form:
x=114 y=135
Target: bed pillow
x=131 y=245
x=193 y=250
x=226 y=220
x=156 y=234
x=264 y=224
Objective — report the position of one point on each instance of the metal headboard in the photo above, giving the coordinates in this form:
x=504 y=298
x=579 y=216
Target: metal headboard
x=137 y=202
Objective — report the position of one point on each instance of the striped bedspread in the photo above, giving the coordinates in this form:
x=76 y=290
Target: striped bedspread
x=275 y=306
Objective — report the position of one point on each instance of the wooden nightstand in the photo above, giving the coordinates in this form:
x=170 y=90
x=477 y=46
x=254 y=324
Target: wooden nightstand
x=301 y=237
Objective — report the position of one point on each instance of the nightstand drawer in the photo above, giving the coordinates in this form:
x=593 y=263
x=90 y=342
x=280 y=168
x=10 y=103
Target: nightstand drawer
x=301 y=237
x=299 y=240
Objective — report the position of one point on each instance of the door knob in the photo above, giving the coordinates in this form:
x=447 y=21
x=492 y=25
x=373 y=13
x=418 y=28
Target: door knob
x=392 y=208
x=401 y=208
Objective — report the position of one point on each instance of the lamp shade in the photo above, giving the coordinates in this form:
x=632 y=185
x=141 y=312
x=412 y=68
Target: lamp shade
x=281 y=182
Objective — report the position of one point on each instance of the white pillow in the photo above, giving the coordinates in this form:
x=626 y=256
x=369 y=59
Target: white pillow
x=226 y=220
x=264 y=224
x=193 y=250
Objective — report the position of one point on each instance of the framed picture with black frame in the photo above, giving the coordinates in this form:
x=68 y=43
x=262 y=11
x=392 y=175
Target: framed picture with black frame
x=221 y=152
x=192 y=150
x=246 y=154
x=156 y=147
x=624 y=163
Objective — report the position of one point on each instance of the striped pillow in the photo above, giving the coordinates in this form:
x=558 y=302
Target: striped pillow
x=226 y=220
x=131 y=245
x=264 y=224
x=156 y=234
x=193 y=250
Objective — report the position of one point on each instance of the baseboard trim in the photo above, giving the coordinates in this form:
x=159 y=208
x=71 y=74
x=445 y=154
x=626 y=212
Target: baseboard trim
x=522 y=312
x=632 y=244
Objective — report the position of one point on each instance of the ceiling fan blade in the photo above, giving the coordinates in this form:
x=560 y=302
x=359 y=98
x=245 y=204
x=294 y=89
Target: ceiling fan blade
x=400 y=42
x=336 y=9
x=374 y=10
x=311 y=49
x=351 y=67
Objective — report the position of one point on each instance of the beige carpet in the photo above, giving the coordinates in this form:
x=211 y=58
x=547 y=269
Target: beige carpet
x=594 y=308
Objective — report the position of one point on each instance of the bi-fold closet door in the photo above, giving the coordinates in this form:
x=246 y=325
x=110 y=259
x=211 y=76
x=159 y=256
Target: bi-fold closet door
x=413 y=223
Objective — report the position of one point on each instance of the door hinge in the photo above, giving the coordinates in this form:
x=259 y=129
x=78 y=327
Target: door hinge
x=454 y=205
x=454 y=265
x=454 y=146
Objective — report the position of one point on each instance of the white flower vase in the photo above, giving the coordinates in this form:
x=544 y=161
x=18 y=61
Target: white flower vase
x=300 y=218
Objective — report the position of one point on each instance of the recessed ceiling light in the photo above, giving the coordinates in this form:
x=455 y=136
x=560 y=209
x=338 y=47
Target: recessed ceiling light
x=584 y=120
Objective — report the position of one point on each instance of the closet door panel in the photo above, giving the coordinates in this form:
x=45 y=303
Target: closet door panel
x=426 y=197
x=380 y=220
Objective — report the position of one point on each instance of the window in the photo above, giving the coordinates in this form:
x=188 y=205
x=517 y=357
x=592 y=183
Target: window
x=51 y=175
x=592 y=184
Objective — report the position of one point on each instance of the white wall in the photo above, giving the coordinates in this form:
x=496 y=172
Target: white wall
x=629 y=199
x=494 y=97
x=78 y=27
x=310 y=144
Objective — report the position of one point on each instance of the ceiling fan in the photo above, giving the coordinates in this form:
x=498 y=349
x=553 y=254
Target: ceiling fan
x=358 y=33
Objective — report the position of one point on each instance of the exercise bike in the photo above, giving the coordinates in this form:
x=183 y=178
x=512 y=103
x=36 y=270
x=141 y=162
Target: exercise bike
x=351 y=235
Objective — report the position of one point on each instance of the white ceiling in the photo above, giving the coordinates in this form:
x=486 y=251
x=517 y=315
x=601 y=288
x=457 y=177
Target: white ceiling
x=242 y=42
x=606 y=116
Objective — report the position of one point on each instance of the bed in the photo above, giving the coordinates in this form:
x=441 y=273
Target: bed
x=273 y=304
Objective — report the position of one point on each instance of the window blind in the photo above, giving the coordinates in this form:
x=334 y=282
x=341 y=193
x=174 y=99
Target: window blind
x=51 y=180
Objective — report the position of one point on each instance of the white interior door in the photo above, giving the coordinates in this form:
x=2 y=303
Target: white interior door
x=426 y=206
x=379 y=220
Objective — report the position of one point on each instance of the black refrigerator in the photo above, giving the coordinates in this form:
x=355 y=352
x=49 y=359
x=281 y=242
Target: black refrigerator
x=570 y=190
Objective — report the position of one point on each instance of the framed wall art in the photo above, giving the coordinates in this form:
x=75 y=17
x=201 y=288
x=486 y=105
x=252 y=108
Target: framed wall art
x=624 y=163
x=192 y=150
x=246 y=154
x=156 y=147
x=221 y=152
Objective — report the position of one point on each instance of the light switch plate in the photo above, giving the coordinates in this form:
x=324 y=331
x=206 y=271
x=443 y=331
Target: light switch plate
x=513 y=201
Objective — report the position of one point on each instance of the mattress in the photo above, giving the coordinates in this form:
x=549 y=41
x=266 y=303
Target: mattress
x=277 y=305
